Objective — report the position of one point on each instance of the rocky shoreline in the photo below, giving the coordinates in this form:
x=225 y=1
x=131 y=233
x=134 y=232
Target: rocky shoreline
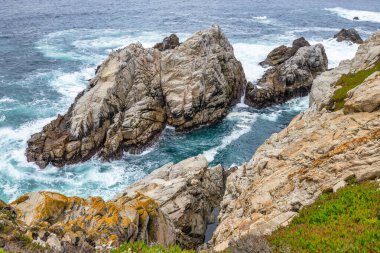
x=321 y=150
x=137 y=92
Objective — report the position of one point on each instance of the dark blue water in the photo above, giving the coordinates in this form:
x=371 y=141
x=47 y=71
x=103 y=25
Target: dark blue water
x=48 y=49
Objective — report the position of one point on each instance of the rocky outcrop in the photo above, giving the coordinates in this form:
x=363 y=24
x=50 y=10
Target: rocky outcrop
x=289 y=79
x=136 y=92
x=282 y=53
x=170 y=42
x=187 y=191
x=173 y=204
x=325 y=84
x=320 y=151
x=72 y=224
x=348 y=35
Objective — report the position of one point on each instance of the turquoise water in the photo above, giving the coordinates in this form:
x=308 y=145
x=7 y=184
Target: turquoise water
x=49 y=50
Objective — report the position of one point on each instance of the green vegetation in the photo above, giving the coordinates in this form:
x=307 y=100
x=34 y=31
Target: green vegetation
x=2 y=251
x=346 y=221
x=347 y=83
x=141 y=247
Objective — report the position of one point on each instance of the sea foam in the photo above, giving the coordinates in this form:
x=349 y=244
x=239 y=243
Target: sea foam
x=369 y=16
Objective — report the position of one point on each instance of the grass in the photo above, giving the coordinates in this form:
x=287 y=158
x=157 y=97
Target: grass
x=142 y=247
x=2 y=251
x=345 y=221
x=347 y=83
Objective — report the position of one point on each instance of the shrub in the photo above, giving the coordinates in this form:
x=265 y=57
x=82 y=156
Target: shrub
x=346 y=221
x=142 y=247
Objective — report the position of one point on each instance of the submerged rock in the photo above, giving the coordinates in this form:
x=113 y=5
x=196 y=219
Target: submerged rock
x=348 y=35
x=136 y=92
x=291 y=78
x=320 y=151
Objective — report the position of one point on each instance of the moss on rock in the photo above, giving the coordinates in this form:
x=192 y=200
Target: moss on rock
x=348 y=82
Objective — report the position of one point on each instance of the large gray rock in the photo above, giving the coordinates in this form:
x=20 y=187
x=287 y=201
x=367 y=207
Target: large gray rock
x=188 y=192
x=136 y=91
x=348 y=35
x=292 y=78
x=282 y=53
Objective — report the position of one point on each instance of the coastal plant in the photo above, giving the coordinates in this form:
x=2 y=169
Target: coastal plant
x=142 y=247
x=348 y=82
x=345 y=221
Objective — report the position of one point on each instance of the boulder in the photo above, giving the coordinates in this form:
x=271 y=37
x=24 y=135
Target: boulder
x=137 y=91
x=282 y=53
x=356 y=18
x=292 y=78
x=188 y=192
x=348 y=35
x=170 y=42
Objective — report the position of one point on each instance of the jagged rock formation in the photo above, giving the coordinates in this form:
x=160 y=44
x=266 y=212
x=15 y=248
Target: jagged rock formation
x=348 y=35
x=290 y=78
x=172 y=205
x=187 y=192
x=319 y=151
x=282 y=53
x=325 y=85
x=136 y=91
x=170 y=42
x=75 y=224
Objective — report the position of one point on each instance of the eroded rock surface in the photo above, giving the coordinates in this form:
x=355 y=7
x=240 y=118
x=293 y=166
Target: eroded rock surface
x=324 y=85
x=348 y=35
x=291 y=78
x=73 y=224
x=187 y=191
x=136 y=92
x=319 y=151
x=282 y=53
x=173 y=204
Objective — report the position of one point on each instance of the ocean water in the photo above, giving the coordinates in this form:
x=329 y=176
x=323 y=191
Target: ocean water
x=49 y=49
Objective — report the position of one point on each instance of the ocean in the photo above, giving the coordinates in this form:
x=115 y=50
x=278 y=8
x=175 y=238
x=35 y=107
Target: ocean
x=49 y=49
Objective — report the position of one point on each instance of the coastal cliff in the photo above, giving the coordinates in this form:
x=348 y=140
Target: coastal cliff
x=334 y=142
x=320 y=151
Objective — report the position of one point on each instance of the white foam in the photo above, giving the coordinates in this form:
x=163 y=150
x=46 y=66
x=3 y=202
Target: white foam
x=338 y=51
x=369 y=16
x=70 y=84
x=2 y=118
x=243 y=126
x=4 y=100
x=250 y=56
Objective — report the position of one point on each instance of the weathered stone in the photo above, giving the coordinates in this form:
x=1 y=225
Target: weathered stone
x=348 y=35
x=318 y=152
x=136 y=91
x=283 y=53
x=292 y=78
x=64 y=222
x=324 y=86
x=187 y=191
x=170 y=42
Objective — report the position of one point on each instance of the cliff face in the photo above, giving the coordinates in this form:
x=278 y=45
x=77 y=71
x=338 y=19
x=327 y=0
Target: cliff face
x=319 y=151
x=136 y=92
